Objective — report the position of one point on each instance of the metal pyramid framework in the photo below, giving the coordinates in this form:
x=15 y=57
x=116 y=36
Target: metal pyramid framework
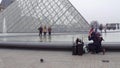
x=25 y=16
x=6 y=3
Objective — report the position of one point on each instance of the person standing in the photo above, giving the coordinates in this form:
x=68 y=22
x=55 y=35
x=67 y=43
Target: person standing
x=44 y=30
x=105 y=28
x=40 y=30
x=49 y=31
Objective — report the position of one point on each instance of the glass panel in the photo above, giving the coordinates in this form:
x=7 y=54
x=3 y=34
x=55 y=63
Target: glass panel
x=26 y=15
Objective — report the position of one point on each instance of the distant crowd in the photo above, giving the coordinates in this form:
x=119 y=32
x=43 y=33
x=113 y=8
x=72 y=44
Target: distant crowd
x=44 y=30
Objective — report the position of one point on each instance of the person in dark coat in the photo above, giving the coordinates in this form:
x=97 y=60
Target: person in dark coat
x=40 y=30
x=91 y=46
x=49 y=31
x=98 y=42
x=96 y=46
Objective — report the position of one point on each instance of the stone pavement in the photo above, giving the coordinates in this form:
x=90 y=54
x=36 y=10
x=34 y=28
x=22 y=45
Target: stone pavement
x=13 y=58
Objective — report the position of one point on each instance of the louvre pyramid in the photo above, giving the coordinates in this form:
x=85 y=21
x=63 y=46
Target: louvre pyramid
x=25 y=16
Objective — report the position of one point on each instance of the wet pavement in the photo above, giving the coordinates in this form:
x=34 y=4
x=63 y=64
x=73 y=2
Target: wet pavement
x=13 y=58
x=33 y=37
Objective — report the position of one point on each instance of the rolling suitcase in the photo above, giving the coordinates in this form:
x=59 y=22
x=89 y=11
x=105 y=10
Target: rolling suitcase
x=80 y=49
x=74 y=50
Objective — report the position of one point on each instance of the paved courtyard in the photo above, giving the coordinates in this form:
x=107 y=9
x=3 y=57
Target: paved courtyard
x=13 y=58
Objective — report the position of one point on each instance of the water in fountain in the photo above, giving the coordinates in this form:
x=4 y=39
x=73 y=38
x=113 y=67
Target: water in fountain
x=4 y=27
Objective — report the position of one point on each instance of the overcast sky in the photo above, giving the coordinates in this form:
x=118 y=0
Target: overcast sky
x=104 y=11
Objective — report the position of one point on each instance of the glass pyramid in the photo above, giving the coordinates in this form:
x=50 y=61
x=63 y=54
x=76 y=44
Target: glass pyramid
x=6 y=3
x=25 y=16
